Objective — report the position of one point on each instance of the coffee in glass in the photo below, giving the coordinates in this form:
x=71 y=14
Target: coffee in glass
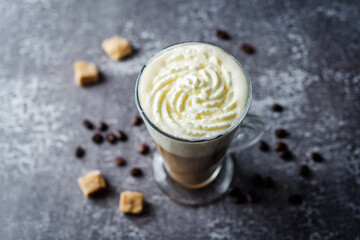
x=193 y=97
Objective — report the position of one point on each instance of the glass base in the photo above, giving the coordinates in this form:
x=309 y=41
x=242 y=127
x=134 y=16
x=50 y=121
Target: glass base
x=214 y=190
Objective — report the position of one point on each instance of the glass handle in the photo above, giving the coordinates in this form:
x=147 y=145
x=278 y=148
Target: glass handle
x=249 y=132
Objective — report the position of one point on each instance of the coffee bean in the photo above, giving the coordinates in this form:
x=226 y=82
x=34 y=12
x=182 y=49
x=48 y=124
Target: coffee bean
x=247 y=48
x=80 y=152
x=263 y=146
x=304 y=171
x=120 y=135
x=280 y=146
x=257 y=180
x=102 y=126
x=295 y=199
x=286 y=154
x=143 y=149
x=233 y=191
x=277 y=107
x=111 y=138
x=239 y=199
x=222 y=34
x=88 y=124
x=136 y=172
x=98 y=138
x=268 y=182
x=317 y=157
x=252 y=197
x=119 y=161
x=281 y=133
x=136 y=121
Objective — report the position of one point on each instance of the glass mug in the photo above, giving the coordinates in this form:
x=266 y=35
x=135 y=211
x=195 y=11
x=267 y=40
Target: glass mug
x=198 y=171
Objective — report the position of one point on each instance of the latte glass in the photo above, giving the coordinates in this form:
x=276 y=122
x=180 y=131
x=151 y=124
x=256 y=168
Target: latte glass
x=198 y=171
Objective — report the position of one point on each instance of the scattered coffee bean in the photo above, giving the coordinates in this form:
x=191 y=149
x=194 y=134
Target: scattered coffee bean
x=239 y=199
x=257 y=180
x=263 y=146
x=286 y=154
x=102 y=126
x=295 y=199
x=268 y=182
x=277 y=107
x=98 y=138
x=222 y=34
x=233 y=191
x=111 y=138
x=281 y=133
x=143 y=149
x=280 y=146
x=119 y=161
x=121 y=136
x=304 y=171
x=136 y=172
x=317 y=157
x=80 y=152
x=88 y=124
x=247 y=48
x=252 y=197
x=136 y=121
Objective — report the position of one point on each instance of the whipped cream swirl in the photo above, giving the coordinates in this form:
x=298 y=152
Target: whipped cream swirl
x=192 y=91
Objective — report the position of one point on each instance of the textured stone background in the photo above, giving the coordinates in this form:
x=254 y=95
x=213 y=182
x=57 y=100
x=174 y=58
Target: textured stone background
x=307 y=59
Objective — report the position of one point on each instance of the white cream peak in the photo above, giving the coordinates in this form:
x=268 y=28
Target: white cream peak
x=193 y=91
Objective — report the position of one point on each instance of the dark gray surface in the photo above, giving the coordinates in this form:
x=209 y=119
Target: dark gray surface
x=307 y=59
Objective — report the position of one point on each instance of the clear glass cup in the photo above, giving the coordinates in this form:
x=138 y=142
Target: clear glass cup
x=195 y=172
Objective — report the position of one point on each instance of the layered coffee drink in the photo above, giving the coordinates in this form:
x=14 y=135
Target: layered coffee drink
x=192 y=97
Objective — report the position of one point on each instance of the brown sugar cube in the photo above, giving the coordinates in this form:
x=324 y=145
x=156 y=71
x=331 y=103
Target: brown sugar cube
x=131 y=202
x=116 y=47
x=85 y=73
x=91 y=182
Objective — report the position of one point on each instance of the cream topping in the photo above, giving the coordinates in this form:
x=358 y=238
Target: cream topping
x=193 y=90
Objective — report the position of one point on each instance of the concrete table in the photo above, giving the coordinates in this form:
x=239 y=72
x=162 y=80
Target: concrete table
x=307 y=59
